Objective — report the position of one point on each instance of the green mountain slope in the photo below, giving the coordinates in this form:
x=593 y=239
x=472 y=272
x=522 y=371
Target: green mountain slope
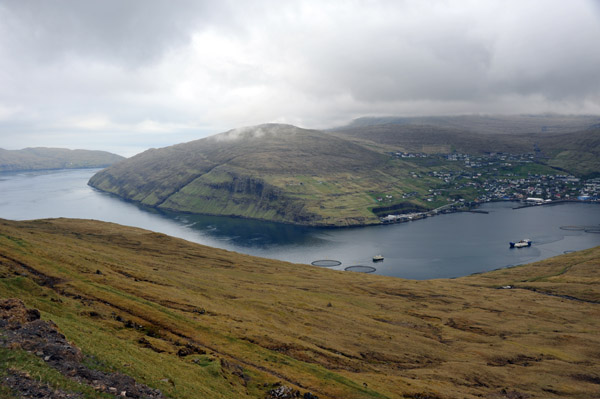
x=54 y=158
x=343 y=177
x=195 y=321
x=274 y=172
x=434 y=139
x=578 y=153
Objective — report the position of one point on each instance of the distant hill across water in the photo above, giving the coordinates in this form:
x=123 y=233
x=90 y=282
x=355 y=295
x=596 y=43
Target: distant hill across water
x=40 y=158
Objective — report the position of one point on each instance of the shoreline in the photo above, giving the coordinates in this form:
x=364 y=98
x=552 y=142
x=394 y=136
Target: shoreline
x=456 y=207
x=558 y=202
x=446 y=209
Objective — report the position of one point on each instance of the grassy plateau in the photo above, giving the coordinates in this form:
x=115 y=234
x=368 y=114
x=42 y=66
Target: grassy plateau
x=133 y=299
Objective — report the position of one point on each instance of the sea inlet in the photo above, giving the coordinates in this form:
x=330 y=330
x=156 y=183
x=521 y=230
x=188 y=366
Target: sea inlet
x=444 y=246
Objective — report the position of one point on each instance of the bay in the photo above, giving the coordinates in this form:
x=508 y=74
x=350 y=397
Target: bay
x=443 y=246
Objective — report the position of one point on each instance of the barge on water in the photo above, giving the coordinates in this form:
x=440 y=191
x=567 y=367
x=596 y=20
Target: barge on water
x=521 y=244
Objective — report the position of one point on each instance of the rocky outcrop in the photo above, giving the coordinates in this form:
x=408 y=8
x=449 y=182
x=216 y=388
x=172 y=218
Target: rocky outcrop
x=27 y=387
x=22 y=328
x=286 y=392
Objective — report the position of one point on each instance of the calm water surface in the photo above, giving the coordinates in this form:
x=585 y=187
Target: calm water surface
x=443 y=246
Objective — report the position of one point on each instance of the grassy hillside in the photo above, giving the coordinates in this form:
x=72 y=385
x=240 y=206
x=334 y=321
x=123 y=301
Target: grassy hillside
x=286 y=174
x=54 y=158
x=434 y=139
x=133 y=299
x=274 y=172
x=471 y=138
x=577 y=151
x=491 y=124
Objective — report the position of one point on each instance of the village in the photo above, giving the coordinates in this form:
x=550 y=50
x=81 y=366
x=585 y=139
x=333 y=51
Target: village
x=493 y=177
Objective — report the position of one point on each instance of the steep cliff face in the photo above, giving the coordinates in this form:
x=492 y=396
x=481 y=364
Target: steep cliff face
x=152 y=176
x=233 y=194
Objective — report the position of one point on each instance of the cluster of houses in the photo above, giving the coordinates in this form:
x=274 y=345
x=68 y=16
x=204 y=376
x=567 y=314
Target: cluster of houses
x=495 y=180
x=541 y=188
x=405 y=217
x=489 y=158
x=410 y=155
x=590 y=190
x=533 y=188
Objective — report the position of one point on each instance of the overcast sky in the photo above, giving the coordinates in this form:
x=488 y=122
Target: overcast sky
x=124 y=76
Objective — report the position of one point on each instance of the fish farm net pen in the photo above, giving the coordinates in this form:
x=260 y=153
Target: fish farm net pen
x=326 y=263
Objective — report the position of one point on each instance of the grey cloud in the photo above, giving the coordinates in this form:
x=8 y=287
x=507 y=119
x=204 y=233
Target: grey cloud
x=90 y=68
x=133 y=31
x=546 y=48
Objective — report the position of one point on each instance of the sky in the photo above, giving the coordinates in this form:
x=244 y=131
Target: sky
x=124 y=76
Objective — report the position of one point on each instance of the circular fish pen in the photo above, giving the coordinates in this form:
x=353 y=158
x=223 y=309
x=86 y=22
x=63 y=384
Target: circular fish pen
x=326 y=263
x=360 y=269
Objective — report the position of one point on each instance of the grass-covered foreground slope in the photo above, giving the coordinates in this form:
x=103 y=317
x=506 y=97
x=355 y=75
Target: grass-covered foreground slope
x=54 y=158
x=198 y=322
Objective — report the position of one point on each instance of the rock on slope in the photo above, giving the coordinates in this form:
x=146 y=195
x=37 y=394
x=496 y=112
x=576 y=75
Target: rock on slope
x=22 y=328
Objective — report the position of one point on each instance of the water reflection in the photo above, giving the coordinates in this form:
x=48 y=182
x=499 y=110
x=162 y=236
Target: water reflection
x=248 y=233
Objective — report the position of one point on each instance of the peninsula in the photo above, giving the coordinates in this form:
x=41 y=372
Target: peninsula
x=362 y=173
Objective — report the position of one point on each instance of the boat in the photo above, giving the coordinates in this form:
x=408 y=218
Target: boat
x=521 y=244
x=377 y=258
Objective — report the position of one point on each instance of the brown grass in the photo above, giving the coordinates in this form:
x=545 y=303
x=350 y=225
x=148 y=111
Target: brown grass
x=336 y=334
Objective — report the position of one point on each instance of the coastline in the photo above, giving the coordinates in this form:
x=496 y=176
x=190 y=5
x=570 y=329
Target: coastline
x=470 y=207
x=393 y=219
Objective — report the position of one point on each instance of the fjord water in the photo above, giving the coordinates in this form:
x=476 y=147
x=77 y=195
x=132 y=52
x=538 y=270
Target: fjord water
x=443 y=246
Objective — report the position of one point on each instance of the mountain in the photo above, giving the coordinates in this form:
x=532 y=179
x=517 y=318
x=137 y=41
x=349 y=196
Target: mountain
x=54 y=158
x=199 y=322
x=571 y=143
x=273 y=171
x=344 y=177
x=489 y=124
